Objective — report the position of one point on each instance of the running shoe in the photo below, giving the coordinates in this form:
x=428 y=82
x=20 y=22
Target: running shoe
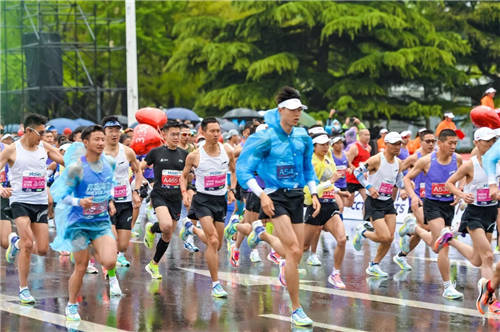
x=189 y=244
x=218 y=291
x=72 y=312
x=368 y=227
x=401 y=261
x=235 y=256
x=254 y=237
x=230 y=243
x=376 y=271
x=25 y=297
x=153 y=270
x=149 y=237
x=494 y=307
x=335 y=280
x=10 y=254
x=442 y=241
x=92 y=269
x=313 y=260
x=230 y=229
x=357 y=241
x=451 y=293
x=404 y=244
x=300 y=318
x=186 y=230
x=408 y=226
x=274 y=257
x=483 y=297
x=122 y=260
x=281 y=275
x=254 y=256
x=114 y=287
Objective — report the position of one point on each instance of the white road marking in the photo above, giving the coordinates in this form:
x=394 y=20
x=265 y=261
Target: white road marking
x=315 y=324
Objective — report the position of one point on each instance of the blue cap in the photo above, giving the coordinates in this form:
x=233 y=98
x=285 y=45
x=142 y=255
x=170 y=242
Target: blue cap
x=112 y=124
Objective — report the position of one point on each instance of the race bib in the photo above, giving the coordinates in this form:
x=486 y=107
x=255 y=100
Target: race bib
x=285 y=172
x=422 y=190
x=328 y=196
x=170 y=179
x=120 y=192
x=439 y=190
x=33 y=182
x=341 y=170
x=96 y=209
x=483 y=196
x=215 y=182
x=385 y=189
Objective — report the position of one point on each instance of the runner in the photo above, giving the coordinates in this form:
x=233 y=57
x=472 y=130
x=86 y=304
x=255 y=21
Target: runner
x=281 y=155
x=184 y=139
x=27 y=159
x=211 y=162
x=168 y=163
x=124 y=198
x=408 y=242
x=384 y=172
x=342 y=164
x=85 y=187
x=8 y=239
x=438 y=203
x=358 y=152
x=479 y=217
x=329 y=217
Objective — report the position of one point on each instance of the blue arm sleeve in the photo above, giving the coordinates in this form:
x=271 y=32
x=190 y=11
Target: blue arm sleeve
x=490 y=160
x=255 y=150
x=309 y=174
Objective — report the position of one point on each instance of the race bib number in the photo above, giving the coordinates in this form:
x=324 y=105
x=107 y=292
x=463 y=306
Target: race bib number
x=422 y=190
x=96 y=209
x=439 y=190
x=483 y=196
x=328 y=197
x=215 y=182
x=341 y=170
x=170 y=179
x=285 y=172
x=385 y=189
x=120 y=192
x=33 y=182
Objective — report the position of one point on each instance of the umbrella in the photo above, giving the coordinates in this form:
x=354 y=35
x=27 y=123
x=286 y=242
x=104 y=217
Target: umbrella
x=61 y=123
x=242 y=113
x=306 y=120
x=180 y=113
x=84 y=122
x=12 y=128
x=226 y=125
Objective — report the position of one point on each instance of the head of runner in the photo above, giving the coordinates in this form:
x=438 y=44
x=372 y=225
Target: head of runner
x=210 y=129
x=337 y=144
x=427 y=141
x=393 y=143
x=290 y=108
x=447 y=142
x=93 y=138
x=34 y=128
x=112 y=130
x=484 y=138
x=171 y=132
x=185 y=132
x=321 y=145
x=364 y=136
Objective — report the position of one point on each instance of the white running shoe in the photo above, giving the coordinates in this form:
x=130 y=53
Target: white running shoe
x=114 y=287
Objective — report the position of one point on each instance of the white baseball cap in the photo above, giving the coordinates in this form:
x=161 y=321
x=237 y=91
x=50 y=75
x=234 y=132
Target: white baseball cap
x=336 y=139
x=405 y=133
x=262 y=126
x=421 y=130
x=383 y=131
x=490 y=90
x=449 y=115
x=7 y=136
x=321 y=139
x=393 y=137
x=484 y=134
x=292 y=104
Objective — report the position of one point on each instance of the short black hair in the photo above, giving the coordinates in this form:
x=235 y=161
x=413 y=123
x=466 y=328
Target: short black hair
x=183 y=126
x=33 y=120
x=425 y=132
x=61 y=139
x=445 y=133
x=123 y=137
x=108 y=118
x=91 y=129
x=78 y=129
x=287 y=92
x=206 y=121
x=171 y=124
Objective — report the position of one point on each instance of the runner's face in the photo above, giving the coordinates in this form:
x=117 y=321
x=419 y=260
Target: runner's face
x=172 y=136
x=212 y=133
x=449 y=145
x=339 y=146
x=95 y=142
x=484 y=146
x=290 y=117
x=321 y=149
x=113 y=134
x=36 y=133
x=364 y=136
x=185 y=132
x=393 y=148
x=428 y=143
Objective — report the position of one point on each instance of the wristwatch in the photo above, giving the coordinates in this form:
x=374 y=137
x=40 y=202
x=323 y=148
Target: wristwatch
x=232 y=190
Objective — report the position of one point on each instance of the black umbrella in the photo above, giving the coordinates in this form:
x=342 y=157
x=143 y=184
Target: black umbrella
x=242 y=113
x=226 y=125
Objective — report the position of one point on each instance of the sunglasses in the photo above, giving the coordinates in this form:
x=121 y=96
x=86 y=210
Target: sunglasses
x=36 y=131
x=185 y=134
x=430 y=141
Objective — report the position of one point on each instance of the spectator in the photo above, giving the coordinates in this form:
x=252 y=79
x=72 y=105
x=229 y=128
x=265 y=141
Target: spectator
x=76 y=134
x=488 y=97
x=7 y=139
x=380 y=141
x=125 y=139
x=447 y=123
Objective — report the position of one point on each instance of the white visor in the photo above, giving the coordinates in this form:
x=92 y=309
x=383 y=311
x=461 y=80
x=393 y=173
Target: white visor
x=292 y=104
x=321 y=139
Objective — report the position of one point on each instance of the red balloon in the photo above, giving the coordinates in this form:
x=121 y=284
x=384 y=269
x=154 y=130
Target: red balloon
x=151 y=116
x=484 y=116
x=145 y=139
x=20 y=132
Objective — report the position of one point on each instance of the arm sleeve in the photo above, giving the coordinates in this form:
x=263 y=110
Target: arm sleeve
x=309 y=174
x=359 y=173
x=312 y=187
x=490 y=160
x=254 y=187
x=399 y=181
x=256 y=148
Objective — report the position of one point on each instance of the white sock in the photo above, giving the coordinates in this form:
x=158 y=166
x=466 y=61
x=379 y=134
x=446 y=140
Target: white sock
x=214 y=283
x=446 y=284
x=113 y=279
x=121 y=254
x=335 y=271
x=22 y=288
x=69 y=303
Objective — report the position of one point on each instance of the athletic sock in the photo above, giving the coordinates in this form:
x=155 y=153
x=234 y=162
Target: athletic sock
x=373 y=263
x=214 y=283
x=335 y=271
x=341 y=216
x=161 y=247
x=401 y=254
x=156 y=228
x=112 y=273
x=446 y=284
x=22 y=288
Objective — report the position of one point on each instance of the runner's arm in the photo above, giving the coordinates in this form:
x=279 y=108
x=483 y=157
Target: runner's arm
x=461 y=174
x=364 y=168
x=136 y=168
x=412 y=174
x=54 y=154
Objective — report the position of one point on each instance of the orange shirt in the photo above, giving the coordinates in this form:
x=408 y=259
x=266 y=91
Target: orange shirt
x=413 y=145
x=380 y=144
x=488 y=101
x=445 y=125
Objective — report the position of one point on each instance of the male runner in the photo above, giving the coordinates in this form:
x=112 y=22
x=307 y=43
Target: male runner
x=358 y=152
x=124 y=198
x=438 y=202
x=211 y=163
x=168 y=163
x=27 y=159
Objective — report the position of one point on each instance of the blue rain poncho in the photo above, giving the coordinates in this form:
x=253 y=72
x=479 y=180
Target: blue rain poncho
x=490 y=161
x=80 y=180
x=283 y=161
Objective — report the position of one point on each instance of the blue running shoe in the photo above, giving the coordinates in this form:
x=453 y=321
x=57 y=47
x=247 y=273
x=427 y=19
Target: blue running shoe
x=25 y=297
x=357 y=241
x=72 y=312
x=254 y=237
x=218 y=291
x=10 y=254
x=230 y=229
x=300 y=318
x=185 y=231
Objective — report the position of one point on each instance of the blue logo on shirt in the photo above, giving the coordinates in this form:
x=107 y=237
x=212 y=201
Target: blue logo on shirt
x=285 y=172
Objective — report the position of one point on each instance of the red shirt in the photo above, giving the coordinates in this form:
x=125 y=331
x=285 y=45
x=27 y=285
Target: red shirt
x=363 y=155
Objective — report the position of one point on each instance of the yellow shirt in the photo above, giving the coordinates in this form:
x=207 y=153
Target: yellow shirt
x=326 y=168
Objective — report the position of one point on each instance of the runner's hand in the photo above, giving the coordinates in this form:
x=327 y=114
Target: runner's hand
x=86 y=203
x=468 y=198
x=344 y=194
x=373 y=192
x=316 y=205
x=5 y=192
x=403 y=194
x=112 y=208
x=267 y=205
x=456 y=200
x=415 y=204
x=136 y=199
